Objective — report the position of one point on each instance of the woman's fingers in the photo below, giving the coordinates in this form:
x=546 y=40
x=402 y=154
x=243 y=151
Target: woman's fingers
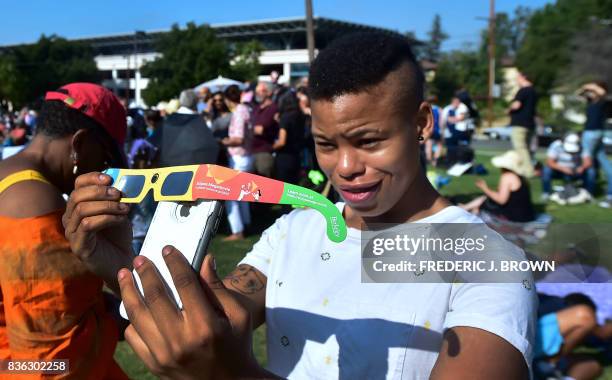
x=223 y=299
x=88 y=209
x=141 y=349
x=139 y=315
x=91 y=186
x=158 y=298
x=77 y=206
x=196 y=305
x=83 y=239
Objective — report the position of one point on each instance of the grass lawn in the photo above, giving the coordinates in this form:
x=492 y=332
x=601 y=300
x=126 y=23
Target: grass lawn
x=228 y=254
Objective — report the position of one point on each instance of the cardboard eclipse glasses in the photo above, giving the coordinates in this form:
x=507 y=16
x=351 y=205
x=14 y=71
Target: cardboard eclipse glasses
x=214 y=182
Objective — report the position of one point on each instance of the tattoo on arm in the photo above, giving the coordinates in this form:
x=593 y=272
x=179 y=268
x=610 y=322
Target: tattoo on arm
x=246 y=280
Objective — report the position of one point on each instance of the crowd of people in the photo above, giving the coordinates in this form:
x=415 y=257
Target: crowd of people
x=60 y=253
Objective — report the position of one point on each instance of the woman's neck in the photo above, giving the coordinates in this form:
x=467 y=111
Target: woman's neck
x=45 y=155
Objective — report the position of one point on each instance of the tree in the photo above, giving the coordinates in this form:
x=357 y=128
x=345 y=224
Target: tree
x=590 y=56
x=190 y=56
x=28 y=71
x=459 y=69
x=417 y=49
x=545 y=51
x=518 y=26
x=245 y=60
x=436 y=37
x=8 y=77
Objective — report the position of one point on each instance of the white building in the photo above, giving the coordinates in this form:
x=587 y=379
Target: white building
x=119 y=57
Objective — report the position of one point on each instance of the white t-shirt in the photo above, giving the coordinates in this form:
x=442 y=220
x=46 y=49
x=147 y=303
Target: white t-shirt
x=323 y=322
x=466 y=123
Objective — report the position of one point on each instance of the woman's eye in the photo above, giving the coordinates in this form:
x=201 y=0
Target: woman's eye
x=368 y=143
x=324 y=144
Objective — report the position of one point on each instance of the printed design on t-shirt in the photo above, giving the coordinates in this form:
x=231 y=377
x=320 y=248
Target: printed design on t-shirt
x=325 y=301
x=328 y=360
x=527 y=284
x=325 y=256
x=284 y=341
x=427 y=325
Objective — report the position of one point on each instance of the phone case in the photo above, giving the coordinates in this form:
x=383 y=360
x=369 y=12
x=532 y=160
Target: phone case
x=188 y=226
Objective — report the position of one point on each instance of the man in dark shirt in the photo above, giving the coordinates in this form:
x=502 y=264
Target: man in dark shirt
x=522 y=119
x=290 y=140
x=265 y=130
x=186 y=139
x=592 y=136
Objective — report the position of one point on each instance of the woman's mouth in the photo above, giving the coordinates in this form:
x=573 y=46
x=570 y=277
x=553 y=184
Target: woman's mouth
x=359 y=193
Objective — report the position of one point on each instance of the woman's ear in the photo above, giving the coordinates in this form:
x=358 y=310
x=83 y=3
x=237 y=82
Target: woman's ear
x=78 y=142
x=424 y=121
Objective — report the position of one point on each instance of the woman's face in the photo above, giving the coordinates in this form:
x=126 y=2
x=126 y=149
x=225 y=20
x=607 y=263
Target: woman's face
x=218 y=102
x=367 y=144
x=95 y=151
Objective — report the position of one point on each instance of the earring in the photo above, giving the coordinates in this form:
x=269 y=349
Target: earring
x=421 y=138
x=75 y=168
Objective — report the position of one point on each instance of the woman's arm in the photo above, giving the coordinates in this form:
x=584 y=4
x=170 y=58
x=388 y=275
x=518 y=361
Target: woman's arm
x=504 y=188
x=282 y=139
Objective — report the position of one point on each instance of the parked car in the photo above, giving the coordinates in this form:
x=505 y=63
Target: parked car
x=498 y=133
x=546 y=134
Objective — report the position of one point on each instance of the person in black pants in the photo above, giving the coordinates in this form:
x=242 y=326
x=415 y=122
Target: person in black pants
x=290 y=142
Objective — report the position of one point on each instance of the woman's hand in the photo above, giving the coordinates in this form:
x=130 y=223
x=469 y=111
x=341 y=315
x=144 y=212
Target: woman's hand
x=481 y=184
x=97 y=227
x=210 y=338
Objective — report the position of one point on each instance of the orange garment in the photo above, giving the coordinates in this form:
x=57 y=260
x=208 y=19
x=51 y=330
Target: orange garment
x=51 y=306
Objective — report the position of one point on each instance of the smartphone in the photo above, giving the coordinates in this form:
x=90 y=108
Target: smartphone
x=189 y=227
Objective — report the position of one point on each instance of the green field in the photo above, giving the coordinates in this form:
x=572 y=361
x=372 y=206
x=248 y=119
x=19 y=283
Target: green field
x=228 y=254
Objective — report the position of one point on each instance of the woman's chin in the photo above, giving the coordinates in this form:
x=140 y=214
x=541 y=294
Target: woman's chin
x=370 y=209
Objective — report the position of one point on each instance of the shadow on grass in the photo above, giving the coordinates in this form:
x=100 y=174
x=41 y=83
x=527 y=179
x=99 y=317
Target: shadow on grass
x=463 y=198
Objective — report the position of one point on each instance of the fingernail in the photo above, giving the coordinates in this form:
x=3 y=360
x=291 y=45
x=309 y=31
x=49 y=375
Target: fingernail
x=111 y=191
x=214 y=263
x=138 y=261
x=123 y=206
x=122 y=273
x=166 y=251
x=102 y=177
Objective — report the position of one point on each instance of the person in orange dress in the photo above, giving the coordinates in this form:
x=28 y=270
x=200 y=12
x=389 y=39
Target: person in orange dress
x=52 y=307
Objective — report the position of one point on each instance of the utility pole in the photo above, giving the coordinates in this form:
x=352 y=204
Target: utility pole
x=491 y=62
x=127 y=81
x=310 y=40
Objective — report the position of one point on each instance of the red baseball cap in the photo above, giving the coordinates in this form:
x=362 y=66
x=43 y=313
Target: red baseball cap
x=96 y=102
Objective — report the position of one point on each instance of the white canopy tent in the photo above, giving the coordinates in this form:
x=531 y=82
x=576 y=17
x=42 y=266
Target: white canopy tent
x=218 y=84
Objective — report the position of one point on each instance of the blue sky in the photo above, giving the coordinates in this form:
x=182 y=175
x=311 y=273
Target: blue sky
x=25 y=21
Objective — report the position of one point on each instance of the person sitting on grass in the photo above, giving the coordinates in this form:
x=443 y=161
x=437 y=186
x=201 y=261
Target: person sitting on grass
x=565 y=159
x=369 y=120
x=512 y=199
x=563 y=325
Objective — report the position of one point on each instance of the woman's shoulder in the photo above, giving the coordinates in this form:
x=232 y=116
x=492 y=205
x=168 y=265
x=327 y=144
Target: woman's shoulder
x=30 y=198
x=510 y=179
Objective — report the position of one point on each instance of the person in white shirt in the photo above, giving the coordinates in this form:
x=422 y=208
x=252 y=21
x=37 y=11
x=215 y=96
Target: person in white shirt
x=322 y=320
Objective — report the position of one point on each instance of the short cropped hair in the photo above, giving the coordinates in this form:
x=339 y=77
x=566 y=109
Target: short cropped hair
x=355 y=62
x=188 y=99
x=269 y=85
x=574 y=299
x=57 y=120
